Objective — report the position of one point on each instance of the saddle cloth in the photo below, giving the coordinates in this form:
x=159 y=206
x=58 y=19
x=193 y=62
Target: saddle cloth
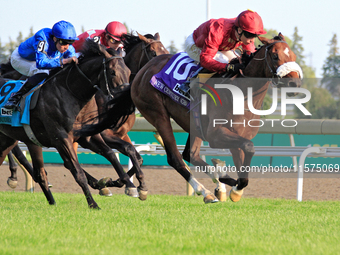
x=9 y=117
x=179 y=69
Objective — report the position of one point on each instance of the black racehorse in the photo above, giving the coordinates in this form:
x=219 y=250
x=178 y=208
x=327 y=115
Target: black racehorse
x=139 y=50
x=61 y=99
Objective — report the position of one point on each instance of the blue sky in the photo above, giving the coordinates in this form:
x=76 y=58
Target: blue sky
x=316 y=21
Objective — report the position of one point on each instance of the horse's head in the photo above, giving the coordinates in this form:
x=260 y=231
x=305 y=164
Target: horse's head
x=154 y=44
x=141 y=49
x=119 y=73
x=279 y=61
x=113 y=71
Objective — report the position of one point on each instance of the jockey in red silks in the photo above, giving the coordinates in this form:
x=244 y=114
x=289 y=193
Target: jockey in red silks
x=111 y=36
x=213 y=42
x=35 y=57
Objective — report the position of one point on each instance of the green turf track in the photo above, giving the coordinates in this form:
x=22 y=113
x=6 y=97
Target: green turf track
x=166 y=225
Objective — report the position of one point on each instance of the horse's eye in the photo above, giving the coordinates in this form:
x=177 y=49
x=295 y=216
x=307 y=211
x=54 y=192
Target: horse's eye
x=275 y=56
x=112 y=72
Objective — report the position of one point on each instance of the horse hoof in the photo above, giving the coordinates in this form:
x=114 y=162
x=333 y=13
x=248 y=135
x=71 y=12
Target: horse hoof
x=210 y=198
x=221 y=195
x=235 y=195
x=11 y=183
x=103 y=181
x=105 y=192
x=132 y=192
x=142 y=194
x=50 y=185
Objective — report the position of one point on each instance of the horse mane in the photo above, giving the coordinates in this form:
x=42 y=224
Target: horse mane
x=89 y=50
x=92 y=49
x=130 y=40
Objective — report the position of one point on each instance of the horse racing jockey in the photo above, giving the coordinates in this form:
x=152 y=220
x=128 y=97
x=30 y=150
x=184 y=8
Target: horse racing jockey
x=35 y=57
x=111 y=36
x=213 y=42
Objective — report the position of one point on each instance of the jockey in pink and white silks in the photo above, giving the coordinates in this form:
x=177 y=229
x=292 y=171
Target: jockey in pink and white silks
x=110 y=37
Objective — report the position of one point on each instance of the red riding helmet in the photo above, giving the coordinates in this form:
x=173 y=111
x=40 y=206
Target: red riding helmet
x=251 y=22
x=115 y=29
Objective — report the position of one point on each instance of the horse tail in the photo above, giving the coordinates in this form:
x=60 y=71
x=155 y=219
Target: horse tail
x=117 y=112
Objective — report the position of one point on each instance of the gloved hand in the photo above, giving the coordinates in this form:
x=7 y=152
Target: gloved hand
x=246 y=58
x=235 y=68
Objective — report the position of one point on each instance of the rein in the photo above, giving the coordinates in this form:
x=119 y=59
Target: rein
x=144 y=51
x=105 y=75
x=93 y=86
x=274 y=74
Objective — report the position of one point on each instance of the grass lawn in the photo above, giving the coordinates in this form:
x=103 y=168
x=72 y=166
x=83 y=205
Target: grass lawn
x=165 y=225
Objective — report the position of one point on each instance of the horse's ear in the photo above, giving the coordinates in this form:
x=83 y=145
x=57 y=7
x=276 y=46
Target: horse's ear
x=142 y=37
x=157 y=37
x=281 y=36
x=264 y=40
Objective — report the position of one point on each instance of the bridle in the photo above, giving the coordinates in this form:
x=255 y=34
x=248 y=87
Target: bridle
x=105 y=75
x=274 y=73
x=145 y=52
x=104 y=62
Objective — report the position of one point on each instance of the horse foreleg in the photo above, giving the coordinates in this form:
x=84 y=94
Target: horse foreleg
x=69 y=156
x=129 y=150
x=191 y=153
x=39 y=173
x=242 y=151
x=175 y=160
x=97 y=145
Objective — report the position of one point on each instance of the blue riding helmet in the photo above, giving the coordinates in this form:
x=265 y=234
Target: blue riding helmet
x=64 y=30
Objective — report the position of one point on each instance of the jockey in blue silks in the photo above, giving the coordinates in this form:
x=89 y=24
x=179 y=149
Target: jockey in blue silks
x=35 y=57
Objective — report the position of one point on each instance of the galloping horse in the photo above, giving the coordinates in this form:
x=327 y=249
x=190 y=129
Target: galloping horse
x=61 y=98
x=139 y=50
x=158 y=108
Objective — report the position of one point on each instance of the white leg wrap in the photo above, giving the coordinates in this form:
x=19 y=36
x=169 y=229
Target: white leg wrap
x=212 y=172
x=221 y=187
x=198 y=187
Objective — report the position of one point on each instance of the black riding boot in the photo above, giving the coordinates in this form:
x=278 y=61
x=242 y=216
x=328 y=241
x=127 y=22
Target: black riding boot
x=185 y=86
x=31 y=82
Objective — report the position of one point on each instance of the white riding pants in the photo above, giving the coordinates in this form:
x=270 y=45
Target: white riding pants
x=24 y=66
x=195 y=52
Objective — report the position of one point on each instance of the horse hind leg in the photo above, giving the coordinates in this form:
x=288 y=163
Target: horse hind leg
x=129 y=150
x=191 y=153
x=97 y=145
x=220 y=190
x=175 y=160
x=12 y=181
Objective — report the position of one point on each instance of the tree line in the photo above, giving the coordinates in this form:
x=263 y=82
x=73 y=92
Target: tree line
x=325 y=92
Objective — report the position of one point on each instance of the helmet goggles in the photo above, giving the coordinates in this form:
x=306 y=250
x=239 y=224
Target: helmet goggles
x=65 y=42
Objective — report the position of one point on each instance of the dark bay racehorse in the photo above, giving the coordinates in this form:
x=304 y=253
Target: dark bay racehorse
x=140 y=49
x=158 y=109
x=7 y=71
x=61 y=98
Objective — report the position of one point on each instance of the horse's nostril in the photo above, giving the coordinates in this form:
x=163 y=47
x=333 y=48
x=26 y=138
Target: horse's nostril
x=292 y=84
